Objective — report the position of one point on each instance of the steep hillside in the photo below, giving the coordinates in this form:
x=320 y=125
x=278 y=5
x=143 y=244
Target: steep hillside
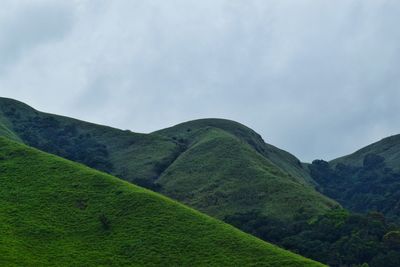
x=137 y=158
x=388 y=148
x=221 y=174
x=217 y=166
x=367 y=180
x=54 y=212
x=282 y=159
x=6 y=132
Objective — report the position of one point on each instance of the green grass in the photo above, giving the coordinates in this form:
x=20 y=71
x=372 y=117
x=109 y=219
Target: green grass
x=217 y=166
x=282 y=159
x=221 y=175
x=50 y=211
x=134 y=157
x=6 y=132
x=388 y=148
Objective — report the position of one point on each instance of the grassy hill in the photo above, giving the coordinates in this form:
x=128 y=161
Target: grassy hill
x=132 y=156
x=217 y=166
x=282 y=159
x=54 y=212
x=367 y=180
x=221 y=173
x=388 y=148
x=6 y=132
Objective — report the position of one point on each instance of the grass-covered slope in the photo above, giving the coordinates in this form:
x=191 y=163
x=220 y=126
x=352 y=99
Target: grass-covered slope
x=54 y=212
x=217 y=166
x=6 y=132
x=135 y=157
x=221 y=175
x=388 y=148
x=282 y=159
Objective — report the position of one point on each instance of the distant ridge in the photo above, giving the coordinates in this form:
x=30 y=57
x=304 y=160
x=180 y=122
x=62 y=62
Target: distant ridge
x=366 y=180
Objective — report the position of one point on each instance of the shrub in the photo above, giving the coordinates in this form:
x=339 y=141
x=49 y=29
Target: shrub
x=105 y=222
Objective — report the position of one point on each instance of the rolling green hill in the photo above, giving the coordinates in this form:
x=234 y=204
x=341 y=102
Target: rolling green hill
x=219 y=167
x=388 y=148
x=282 y=159
x=222 y=172
x=132 y=156
x=54 y=212
x=226 y=170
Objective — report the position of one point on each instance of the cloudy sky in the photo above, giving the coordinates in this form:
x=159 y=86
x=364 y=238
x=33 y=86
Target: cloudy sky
x=319 y=78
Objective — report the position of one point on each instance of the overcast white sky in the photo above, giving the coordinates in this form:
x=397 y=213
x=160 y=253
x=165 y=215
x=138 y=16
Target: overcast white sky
x=319 y=78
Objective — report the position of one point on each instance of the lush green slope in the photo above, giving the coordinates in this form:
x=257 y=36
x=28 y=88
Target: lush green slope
x=367 y=180
x=388 y=148
x=216 y=166
x=282 y=159
x=54 y=212
x=222 y=175
x=6 y=132
x=137 y=158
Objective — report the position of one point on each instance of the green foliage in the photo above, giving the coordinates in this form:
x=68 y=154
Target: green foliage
x=217 y=166
x=105 y=222
x=337 y=238
x=390 y=259
x=369 y=187
x=388 y=149
x=134 y=157
x=4 y=131
x=65 y=141
x=50 y=135
x=372 y=161
x=226 y=170
x=392 y=240
x=280 y=158
x=54 y=212
x=221 y=175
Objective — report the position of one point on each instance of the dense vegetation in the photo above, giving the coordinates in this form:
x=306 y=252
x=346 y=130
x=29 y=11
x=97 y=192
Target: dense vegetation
x=54 y=212
x=219 y=167
x=388 y=148
x=137 y=158
x=221 y=175
x=226 y=170
x=46 y=134
x=337 y=238
x=372 y=186
x=280 y=158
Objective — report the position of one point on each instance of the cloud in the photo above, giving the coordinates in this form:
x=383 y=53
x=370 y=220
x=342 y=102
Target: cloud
x=27 y=26
x=318 y=78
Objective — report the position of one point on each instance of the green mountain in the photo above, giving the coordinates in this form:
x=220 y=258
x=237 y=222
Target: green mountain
x=219 y=167
x=136 y=157
x=387 y=148
x=367 y=180
x=54 y=212
x=227 y=169
x=282 y=159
